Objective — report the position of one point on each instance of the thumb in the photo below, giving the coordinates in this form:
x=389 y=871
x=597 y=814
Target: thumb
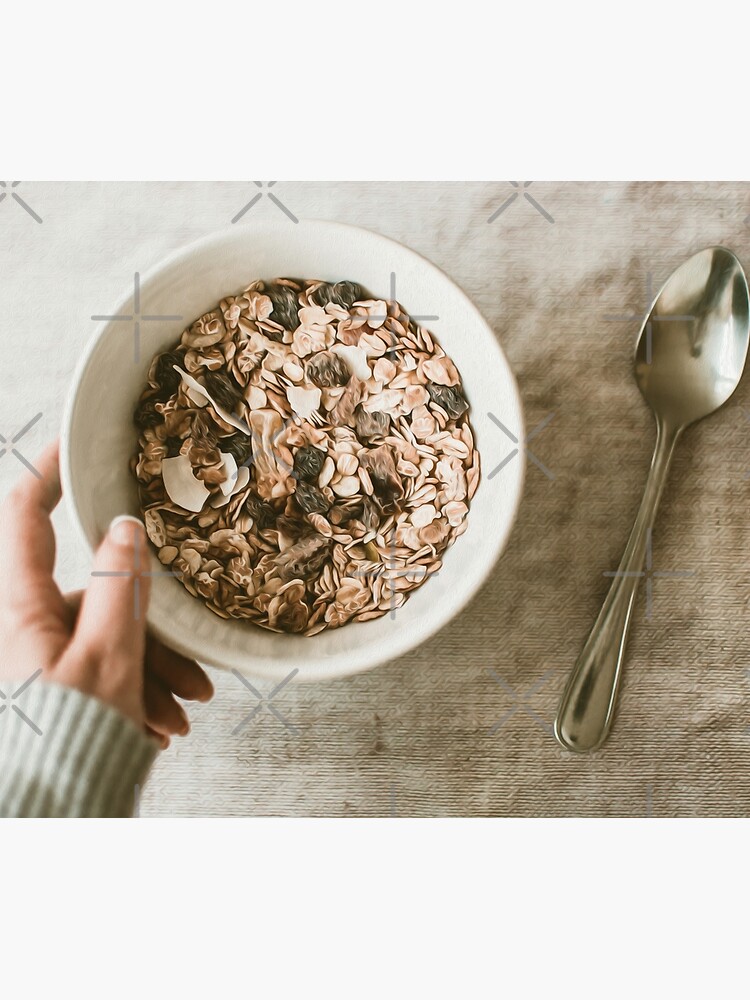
x=110 y=634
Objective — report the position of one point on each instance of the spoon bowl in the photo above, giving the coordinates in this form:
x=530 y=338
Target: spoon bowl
x=689 y=359
x=691 y=350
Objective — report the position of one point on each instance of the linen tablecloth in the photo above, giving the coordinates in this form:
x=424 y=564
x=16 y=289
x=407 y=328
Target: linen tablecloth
x=462 y=725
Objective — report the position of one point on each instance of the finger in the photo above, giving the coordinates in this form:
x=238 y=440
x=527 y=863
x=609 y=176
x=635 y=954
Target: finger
x=178 y=673
x=160 y=738
x=28 y=594
x=73 y=601
x=163 y=713
x=112 y=618
x=109 y=640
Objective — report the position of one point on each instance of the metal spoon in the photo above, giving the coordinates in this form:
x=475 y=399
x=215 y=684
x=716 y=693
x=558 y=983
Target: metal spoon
x=689 y=359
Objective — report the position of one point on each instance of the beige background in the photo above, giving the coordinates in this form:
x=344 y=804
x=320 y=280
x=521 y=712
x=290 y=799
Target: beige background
x=461 y=726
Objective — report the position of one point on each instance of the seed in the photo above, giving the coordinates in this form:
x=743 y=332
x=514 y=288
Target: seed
x=326 y=473
x=347 y=486
x=347 y=465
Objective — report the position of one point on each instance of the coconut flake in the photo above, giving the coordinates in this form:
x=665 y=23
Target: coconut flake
x=355 y=359
x=304 y=402
x=229 y=468
x=197 y=398
x=224 y=414
x=240 y=482
x=181 y=484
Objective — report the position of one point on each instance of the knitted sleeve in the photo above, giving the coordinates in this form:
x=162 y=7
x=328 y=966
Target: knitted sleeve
x=63 y=753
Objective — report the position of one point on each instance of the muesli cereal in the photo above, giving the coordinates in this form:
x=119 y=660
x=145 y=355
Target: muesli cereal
x=305 y=456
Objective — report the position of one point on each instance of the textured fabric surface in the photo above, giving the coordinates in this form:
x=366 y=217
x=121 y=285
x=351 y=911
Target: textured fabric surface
x=462 y=726
x=63 y=754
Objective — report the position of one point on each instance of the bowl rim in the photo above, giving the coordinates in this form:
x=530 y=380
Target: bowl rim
x=409 y=639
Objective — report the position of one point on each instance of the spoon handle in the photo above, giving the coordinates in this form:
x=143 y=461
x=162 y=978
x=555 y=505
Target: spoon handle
x=587 y=705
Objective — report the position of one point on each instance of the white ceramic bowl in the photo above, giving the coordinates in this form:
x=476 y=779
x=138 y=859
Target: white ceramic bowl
x=98 y=435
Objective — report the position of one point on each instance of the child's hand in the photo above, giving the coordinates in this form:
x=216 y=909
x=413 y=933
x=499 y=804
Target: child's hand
x=94 y=640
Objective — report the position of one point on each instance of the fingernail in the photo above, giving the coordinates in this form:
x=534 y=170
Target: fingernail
x=185 y=728
x=127 y=530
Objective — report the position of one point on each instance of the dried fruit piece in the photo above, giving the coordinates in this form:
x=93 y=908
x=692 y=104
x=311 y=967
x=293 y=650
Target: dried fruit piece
x=449 y=398
x=343 y=294
x=327 y=370
x=370 y=425
x=223 y=389
x=239 y=446
x=311 y=500
x=285 y=305
x=308 y=462
x=261 y=511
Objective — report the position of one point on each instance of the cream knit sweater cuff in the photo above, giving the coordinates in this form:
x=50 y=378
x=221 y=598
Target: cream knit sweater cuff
x=65 y=754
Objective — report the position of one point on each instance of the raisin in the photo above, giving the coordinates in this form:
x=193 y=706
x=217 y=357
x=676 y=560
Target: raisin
x=327 y=370
x=146 y=415
x=164 y=374
x=311 y=500
x=343 y=293
x=223 y=389
x=285 y=306
x=308 y=462
x=261 y=512
x=449 y=398
x=370 y=425
x=239 y=446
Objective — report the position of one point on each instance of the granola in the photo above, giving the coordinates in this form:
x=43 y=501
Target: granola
x=304 y=456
